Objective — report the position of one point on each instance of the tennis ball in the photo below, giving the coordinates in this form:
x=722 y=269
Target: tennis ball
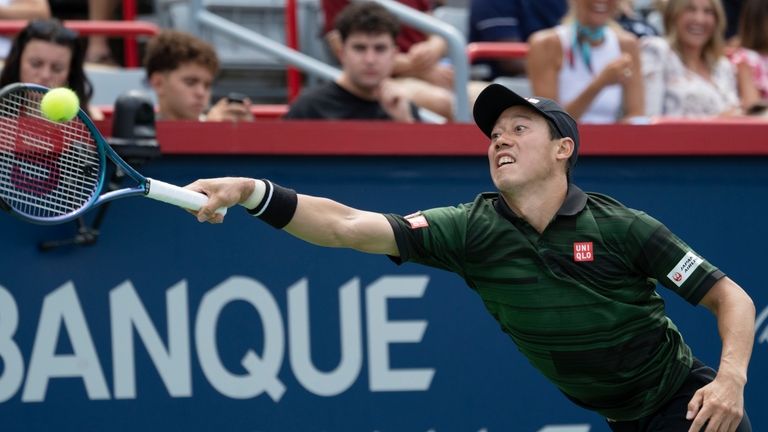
x=60 y=104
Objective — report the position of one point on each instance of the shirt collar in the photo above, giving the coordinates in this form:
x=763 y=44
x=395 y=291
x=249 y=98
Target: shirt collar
x=575 y=200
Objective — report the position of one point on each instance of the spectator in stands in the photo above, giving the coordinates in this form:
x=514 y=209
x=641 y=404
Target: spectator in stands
x=49 y=54
x=686 y=73
x=98 y=45
x=99 y=50
x=21 y=10
x=363 y=90
x=751 y=58
x=632 y=21
x=654 y=15
x=511 y=21
x=418 y=67
x=181 y=69
x=589 y=64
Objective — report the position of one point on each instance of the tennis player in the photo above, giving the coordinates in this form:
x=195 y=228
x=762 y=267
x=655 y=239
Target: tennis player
x=570 y=276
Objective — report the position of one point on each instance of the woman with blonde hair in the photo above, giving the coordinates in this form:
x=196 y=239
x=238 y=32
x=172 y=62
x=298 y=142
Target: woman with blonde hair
x=589 y=64
x=686 y=72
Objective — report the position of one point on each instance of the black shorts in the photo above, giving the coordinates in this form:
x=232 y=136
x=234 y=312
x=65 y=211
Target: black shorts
x=671 y=416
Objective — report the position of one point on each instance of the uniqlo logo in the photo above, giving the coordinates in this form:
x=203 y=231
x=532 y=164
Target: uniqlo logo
x=583 y=251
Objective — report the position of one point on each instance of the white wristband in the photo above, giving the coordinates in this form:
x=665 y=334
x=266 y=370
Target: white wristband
x=255 y=198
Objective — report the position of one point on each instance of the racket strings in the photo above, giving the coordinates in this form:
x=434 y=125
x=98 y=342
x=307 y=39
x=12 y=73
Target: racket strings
x=47 y=169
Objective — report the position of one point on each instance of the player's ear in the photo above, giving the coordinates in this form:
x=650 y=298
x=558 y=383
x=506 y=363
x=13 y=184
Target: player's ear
x=565 y=147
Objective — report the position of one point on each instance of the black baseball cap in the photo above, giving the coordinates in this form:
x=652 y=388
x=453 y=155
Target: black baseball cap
x=496 y=98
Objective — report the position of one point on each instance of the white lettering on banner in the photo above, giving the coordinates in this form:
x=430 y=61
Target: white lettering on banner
x=566 y=428
x=339 y=380
x=12 y=361
x=173 y=364
x=62 y=311
x=62 y=316
x=262 y=371
x=762 y=319
x=382 y=332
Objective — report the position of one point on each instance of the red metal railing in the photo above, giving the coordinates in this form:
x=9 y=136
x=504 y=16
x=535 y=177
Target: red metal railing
x=495 y=50
x=130 y=47
x=125 y=29
x=259 y=111
x=293 y=77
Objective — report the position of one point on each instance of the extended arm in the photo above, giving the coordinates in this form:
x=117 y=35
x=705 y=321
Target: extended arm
x=721 y=402
x=325 y=222
x=316 y=220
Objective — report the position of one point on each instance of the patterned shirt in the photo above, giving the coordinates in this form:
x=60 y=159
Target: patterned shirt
x=758 y=64
x=579 y=299
x=671 y=89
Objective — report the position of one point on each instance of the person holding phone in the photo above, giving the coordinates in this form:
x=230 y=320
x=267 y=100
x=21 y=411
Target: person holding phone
x=181 y=69
x=234 y=107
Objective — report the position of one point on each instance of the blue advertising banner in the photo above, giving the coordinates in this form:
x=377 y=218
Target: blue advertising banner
x=163 y=323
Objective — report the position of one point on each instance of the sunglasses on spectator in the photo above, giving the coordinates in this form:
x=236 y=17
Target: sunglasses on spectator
x=51 y=30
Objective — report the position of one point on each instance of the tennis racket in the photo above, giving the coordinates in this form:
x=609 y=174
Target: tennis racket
x=53 y=172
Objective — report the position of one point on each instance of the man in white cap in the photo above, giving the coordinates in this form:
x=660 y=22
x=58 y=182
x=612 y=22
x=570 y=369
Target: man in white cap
x=570 y=276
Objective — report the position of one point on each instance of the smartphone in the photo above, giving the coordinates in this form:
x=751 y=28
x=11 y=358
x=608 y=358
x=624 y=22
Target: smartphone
x=234 y=97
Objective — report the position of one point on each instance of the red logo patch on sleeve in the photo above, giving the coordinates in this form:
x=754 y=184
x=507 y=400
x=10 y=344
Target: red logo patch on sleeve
x=417 y=220
x=583 y=251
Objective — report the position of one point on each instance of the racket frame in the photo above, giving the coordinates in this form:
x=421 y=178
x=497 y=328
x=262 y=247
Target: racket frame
x=164 y=192
x=103 y=151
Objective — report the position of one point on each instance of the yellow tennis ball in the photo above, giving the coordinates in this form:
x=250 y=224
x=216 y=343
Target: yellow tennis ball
x=60 y=104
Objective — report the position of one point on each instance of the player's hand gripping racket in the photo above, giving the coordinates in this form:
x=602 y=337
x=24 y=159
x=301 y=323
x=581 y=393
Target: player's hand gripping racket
x=52 y=172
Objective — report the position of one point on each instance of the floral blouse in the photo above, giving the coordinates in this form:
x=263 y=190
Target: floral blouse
x=759 y=65
x=671 y=89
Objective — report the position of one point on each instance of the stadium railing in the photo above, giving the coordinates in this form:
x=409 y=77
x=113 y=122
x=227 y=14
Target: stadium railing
x=125 y=29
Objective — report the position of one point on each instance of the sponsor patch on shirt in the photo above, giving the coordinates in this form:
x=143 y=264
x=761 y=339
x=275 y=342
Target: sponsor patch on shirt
x=583 y=251
x=684 y=268
x=416 y=220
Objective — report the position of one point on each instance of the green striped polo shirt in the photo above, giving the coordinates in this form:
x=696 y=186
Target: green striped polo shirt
x=579 y=299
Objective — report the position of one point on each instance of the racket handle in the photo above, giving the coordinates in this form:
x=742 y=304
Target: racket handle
x=178 y=196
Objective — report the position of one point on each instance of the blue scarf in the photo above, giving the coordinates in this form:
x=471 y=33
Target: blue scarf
x=583 y=37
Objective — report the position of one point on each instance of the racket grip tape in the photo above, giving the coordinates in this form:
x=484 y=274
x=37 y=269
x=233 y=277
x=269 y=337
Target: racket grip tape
x=178 y=196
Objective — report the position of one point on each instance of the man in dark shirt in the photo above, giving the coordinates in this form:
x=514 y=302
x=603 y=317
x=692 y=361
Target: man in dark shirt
x=569 y=275
x=364 y=90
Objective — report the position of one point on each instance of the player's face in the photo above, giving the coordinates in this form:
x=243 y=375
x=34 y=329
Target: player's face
x=595 y=13
x=368 y=59
x=521 y=151
x=184 y=93
x=696 y=24
x=45 y=63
